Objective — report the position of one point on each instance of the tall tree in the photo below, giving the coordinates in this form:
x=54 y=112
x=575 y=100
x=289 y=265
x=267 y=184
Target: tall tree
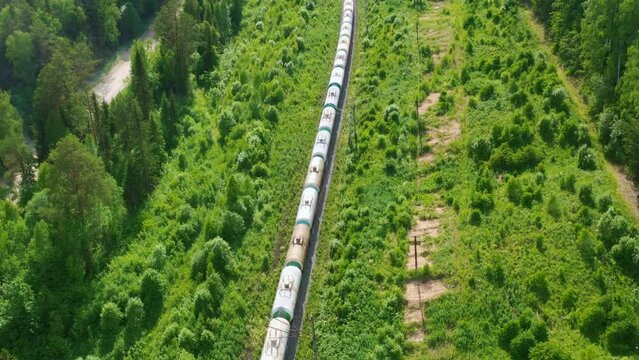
x=629 y=108
x=60 y=100
x=21 y=53
x=84 y=204
x=140 y=81
x=175 y=29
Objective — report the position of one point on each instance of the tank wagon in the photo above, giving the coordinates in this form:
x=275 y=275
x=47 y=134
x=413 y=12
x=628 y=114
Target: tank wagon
x=283 y=309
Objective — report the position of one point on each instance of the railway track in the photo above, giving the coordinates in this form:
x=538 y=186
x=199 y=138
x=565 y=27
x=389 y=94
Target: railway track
x=287 y=314
x=300 y=308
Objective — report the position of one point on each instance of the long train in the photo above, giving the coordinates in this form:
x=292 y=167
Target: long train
x=279 y=327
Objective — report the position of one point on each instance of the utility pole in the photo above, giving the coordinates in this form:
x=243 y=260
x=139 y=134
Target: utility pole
x=314 y=341
x=415 y=250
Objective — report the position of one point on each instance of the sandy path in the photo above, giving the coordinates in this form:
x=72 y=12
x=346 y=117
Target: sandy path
x=110 y=84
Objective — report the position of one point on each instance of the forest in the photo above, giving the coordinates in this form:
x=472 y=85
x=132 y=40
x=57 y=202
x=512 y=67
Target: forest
x=155 y=225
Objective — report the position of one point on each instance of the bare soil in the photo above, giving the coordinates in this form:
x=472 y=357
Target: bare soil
x=115 y=80
x=445 y=135
x=431 y=99
x=627 y=190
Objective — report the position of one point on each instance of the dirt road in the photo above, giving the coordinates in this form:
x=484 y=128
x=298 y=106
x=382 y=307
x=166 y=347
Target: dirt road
x=115 y=79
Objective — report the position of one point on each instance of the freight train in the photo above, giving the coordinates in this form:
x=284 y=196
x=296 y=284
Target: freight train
x=279 y=327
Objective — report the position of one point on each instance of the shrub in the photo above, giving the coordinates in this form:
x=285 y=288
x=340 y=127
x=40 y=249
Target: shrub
x=569 y=298
x=622 y=337
x=475 y=217
x=203 y=303
x=225 y=124
x=198 y=265
x=495 y=273
x=626 y=254
x=556 y=99
x=158 y=257
x=487 y=92
x=186 y=340
x=507 y=333
x=554 y=207
x=220 y=254
x=604 y=202
x=134 y=314
x=514 y=190
x=480 y=150
x=505 y=159
x=110 y=319
x=592 y=321
x=538 y=285
x=520 y=346
x=152 y=294
x=613 y=227
x=586 y=158
x=547 y=128
x=483 y=202
x=567 y=183
x=585 y=195
x=586 y=246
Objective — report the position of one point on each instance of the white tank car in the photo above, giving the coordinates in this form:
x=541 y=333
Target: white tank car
x=337 y=75
x=348 y=4
x=347 y=16
x=306 y=210
x=276 y=339
x=286 y=295
x=340 y=58
x=344 y=43
x=346 y=29
x=332 y=95
x=322 y=140
x=327 y=119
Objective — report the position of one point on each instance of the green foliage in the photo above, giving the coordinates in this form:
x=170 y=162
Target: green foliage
x=586 y=158
x=129 y=24
x=549 y=351
x=612 y=227
x=152 y=295
x=110 y=320
x=538 y=285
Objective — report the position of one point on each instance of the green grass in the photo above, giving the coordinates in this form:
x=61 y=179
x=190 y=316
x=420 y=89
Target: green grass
x=186 y=208
x=535 y=265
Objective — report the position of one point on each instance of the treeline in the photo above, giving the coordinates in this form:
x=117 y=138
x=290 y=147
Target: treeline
x=598 y=41
x=98 y=162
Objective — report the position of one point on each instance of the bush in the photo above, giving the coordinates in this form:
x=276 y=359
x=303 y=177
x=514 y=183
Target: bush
x=521 y=345
x=505 y=159
x=592 y=321
x=554 y=207
x=604 y=202
x=586 y=159
x=586 y=246
x=487 y=92
x=613 y=227
x=622 y=337
x=134 y=314
x=547 y=128
x=568 y=183
x=203 y=303
x=480 y=150
x=220 y=254
x=626 y=254
x=152 y=294
x=110 y=319
x=585 y=195
x=514 y=190
x=538 y=285
x=569 y=298
x=475 y=217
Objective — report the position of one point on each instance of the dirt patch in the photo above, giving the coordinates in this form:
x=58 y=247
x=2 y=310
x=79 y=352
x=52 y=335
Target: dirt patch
x=627 y=190
x=428 y=290
x=445 y=135
x=431 y=99
x=423 y=228
x=426 y=158
x=422 y=255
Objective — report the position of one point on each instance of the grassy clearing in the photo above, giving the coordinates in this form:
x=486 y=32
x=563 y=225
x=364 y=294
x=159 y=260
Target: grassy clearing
x=524 y=246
